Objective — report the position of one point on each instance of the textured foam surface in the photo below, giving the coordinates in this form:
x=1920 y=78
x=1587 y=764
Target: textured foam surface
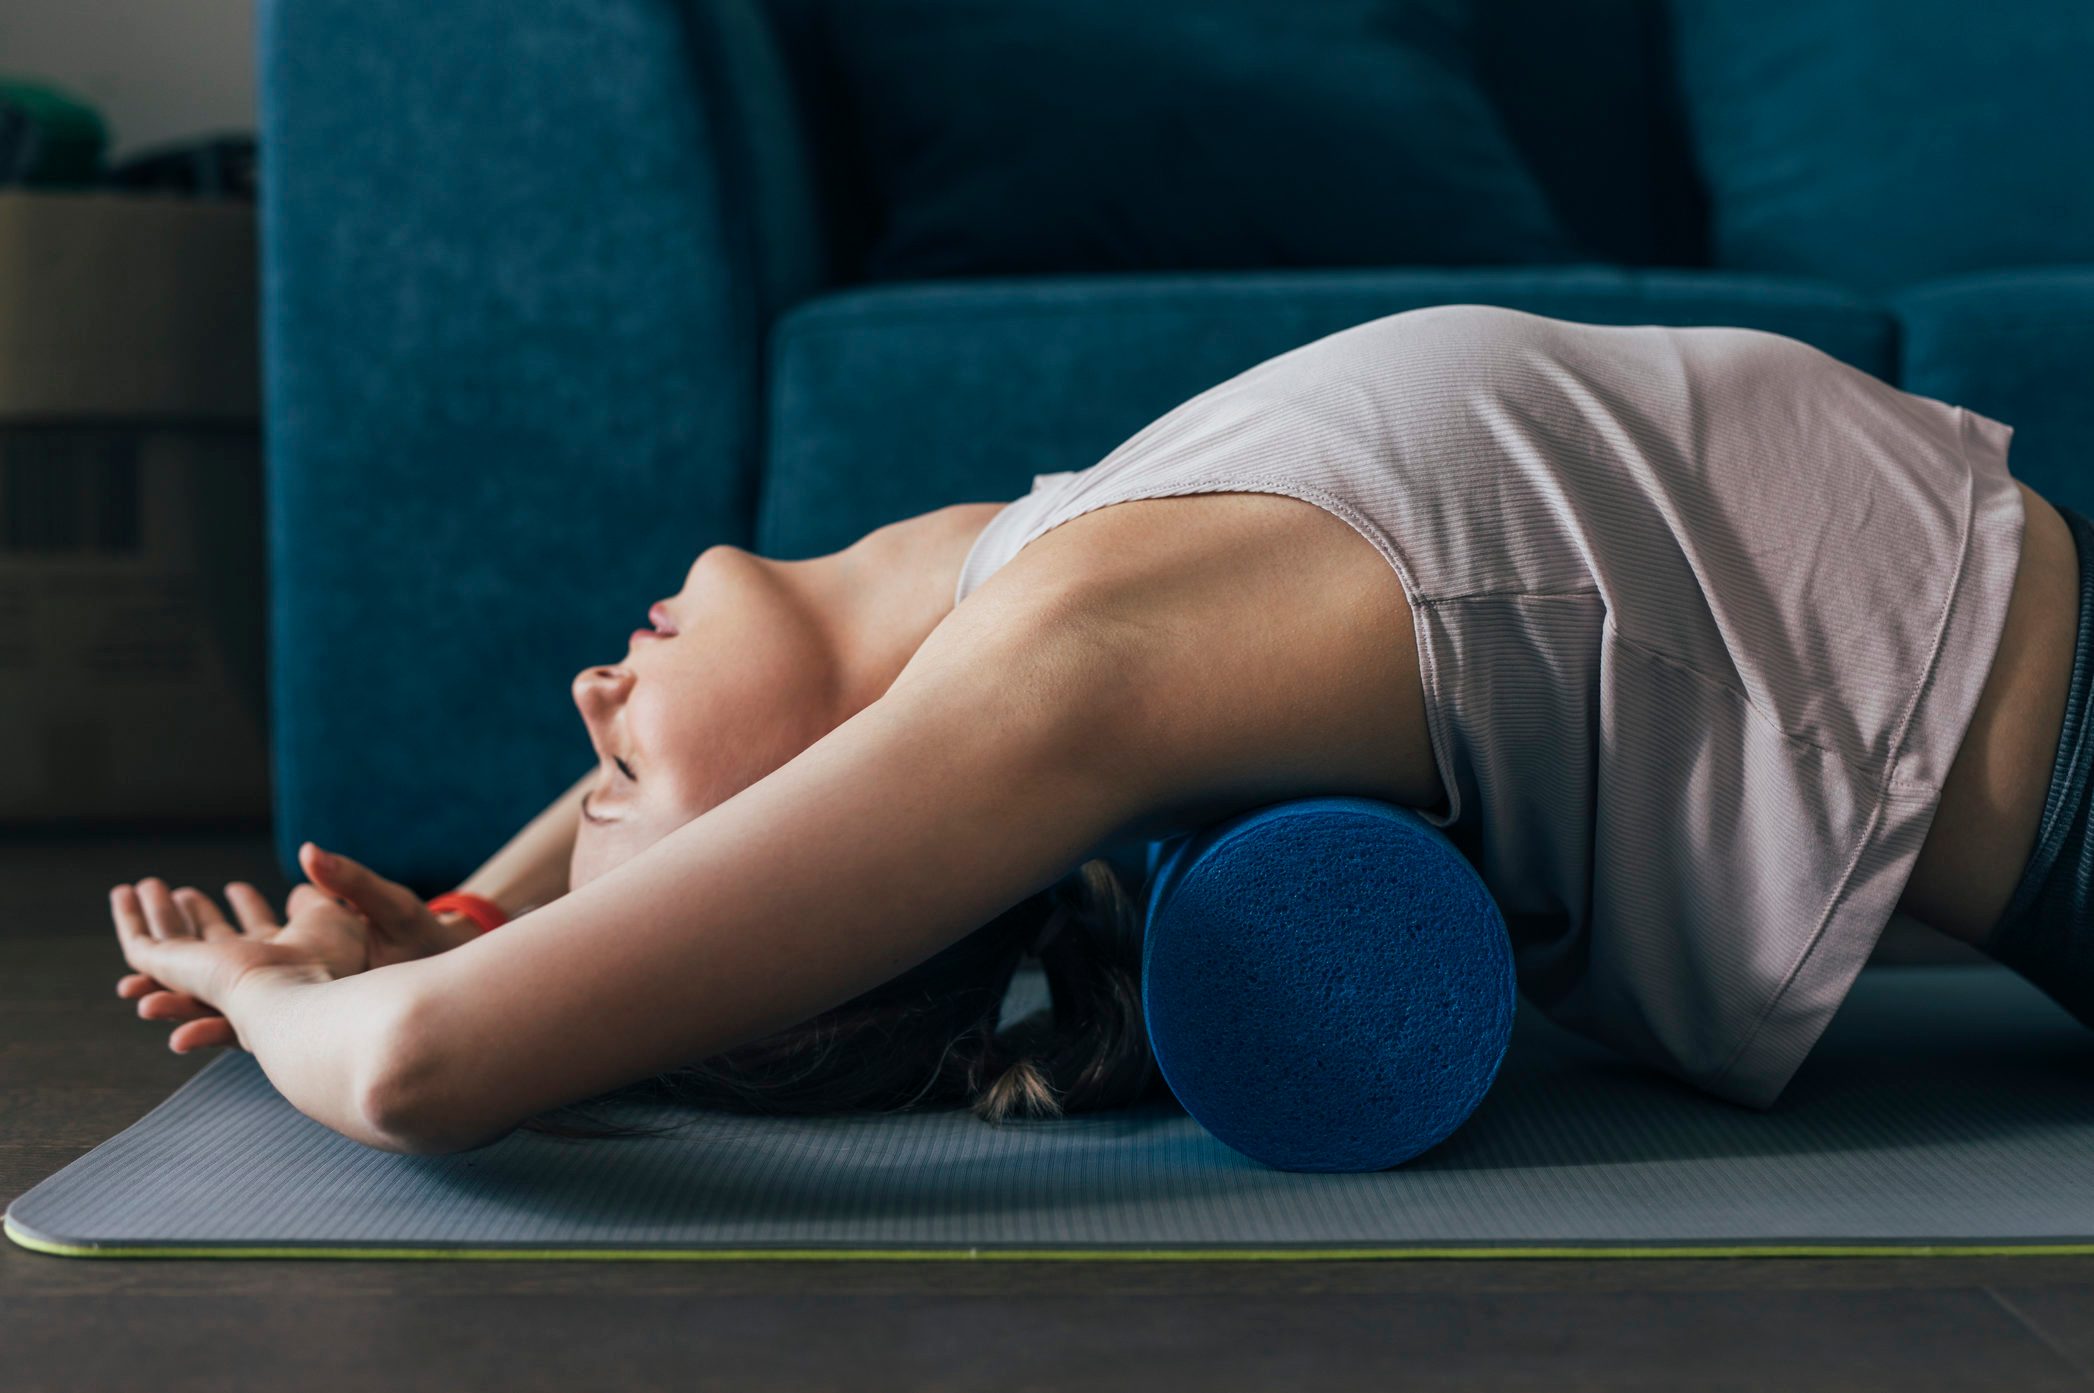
x=1947 y=1107
x=1327 y=983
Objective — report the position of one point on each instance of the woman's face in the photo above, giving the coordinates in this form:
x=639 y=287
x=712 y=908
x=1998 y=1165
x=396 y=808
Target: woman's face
x=732 y=678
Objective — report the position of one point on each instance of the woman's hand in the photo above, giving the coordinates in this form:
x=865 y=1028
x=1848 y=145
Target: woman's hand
x=399 y=927
x=190 y=957
x=402 y=928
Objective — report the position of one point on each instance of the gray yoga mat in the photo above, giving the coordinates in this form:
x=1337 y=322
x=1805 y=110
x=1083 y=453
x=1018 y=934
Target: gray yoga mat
x=1948 y=1109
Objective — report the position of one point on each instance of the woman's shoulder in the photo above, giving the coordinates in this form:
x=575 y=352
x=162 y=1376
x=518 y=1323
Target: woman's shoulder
x=1243 y=642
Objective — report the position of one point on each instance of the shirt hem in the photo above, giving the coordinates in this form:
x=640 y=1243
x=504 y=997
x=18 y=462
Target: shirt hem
x=1909 y=791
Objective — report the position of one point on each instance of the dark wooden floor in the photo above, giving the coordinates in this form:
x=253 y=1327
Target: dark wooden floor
x=75 y=1067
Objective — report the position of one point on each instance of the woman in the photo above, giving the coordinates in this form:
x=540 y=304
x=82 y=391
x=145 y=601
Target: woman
x=1710 y=651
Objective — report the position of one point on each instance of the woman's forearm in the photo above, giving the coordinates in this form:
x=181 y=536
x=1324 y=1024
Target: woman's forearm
x=335 y=1048
x=531 y=868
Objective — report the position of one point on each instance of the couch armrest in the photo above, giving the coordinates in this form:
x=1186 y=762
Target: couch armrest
x=518 y=260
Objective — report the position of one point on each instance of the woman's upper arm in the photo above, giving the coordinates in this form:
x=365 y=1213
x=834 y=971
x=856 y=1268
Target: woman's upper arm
x=983 y=775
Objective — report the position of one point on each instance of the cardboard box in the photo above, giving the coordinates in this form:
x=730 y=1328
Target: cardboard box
x=131 y=551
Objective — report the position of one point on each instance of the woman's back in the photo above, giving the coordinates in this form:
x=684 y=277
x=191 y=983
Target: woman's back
x=1698 y=619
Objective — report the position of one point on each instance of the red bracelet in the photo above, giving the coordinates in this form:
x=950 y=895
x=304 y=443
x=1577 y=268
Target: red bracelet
x=478 y=908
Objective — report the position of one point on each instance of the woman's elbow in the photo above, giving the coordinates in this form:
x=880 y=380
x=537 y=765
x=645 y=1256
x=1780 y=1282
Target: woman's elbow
x=392 y=1117
x=401 y=1122
x=408 y=1098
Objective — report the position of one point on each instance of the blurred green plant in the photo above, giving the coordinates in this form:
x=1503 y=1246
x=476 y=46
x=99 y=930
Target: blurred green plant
x=49 y=138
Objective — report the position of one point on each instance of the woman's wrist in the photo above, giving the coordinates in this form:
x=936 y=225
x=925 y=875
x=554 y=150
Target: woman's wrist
x=260 y=992
x=454 y=930
x=483 y=913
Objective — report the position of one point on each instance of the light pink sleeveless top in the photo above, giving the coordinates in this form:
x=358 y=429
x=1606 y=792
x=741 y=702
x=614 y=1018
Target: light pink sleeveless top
x=1702 y=617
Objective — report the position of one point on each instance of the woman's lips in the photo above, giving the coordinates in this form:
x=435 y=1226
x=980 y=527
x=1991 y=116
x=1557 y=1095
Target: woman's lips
x=664 y=626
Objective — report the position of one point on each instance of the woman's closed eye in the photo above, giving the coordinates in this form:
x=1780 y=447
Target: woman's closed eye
x=589 y=813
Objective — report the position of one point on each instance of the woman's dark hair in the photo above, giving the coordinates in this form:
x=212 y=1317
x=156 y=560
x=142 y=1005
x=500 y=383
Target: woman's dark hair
x=929 y=1038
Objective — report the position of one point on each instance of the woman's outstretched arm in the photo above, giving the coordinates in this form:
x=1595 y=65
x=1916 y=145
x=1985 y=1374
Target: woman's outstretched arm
x=530 y=869
x=1154 y=666
x=987 y=771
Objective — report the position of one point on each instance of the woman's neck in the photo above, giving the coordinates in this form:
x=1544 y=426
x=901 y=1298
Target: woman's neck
x=880 y=597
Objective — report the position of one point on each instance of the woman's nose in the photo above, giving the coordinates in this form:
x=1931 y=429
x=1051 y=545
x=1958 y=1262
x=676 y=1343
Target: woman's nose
x=598 y=691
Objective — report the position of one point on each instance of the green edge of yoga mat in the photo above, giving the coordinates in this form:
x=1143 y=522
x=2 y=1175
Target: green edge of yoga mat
x=1751 y=1250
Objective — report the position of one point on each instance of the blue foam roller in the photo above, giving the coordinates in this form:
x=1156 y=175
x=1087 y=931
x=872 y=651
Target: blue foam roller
x=1328 y=984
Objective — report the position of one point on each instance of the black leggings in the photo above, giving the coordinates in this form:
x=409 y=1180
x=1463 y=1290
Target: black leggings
x=2047 y=931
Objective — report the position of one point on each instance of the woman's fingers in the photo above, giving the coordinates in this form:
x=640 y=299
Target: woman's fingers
x=202 y=1034
x=129 y=914
x=163 y=917
x=175 y=944
x=165 y=1005
x=134 y=932
x=371 y=893
x=204 y=914
x=144 y=951
x=251 y=909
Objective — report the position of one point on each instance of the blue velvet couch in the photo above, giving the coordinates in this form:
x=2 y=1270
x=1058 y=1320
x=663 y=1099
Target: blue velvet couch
x=559 y=292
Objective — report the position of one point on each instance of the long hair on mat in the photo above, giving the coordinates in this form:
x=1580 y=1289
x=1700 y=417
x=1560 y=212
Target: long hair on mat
x=929 y=1038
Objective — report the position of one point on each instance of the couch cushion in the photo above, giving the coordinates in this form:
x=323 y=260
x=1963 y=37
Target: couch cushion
x=891 y=401
x=2017 y=346
x=1019 y=136
x=1883 y=142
